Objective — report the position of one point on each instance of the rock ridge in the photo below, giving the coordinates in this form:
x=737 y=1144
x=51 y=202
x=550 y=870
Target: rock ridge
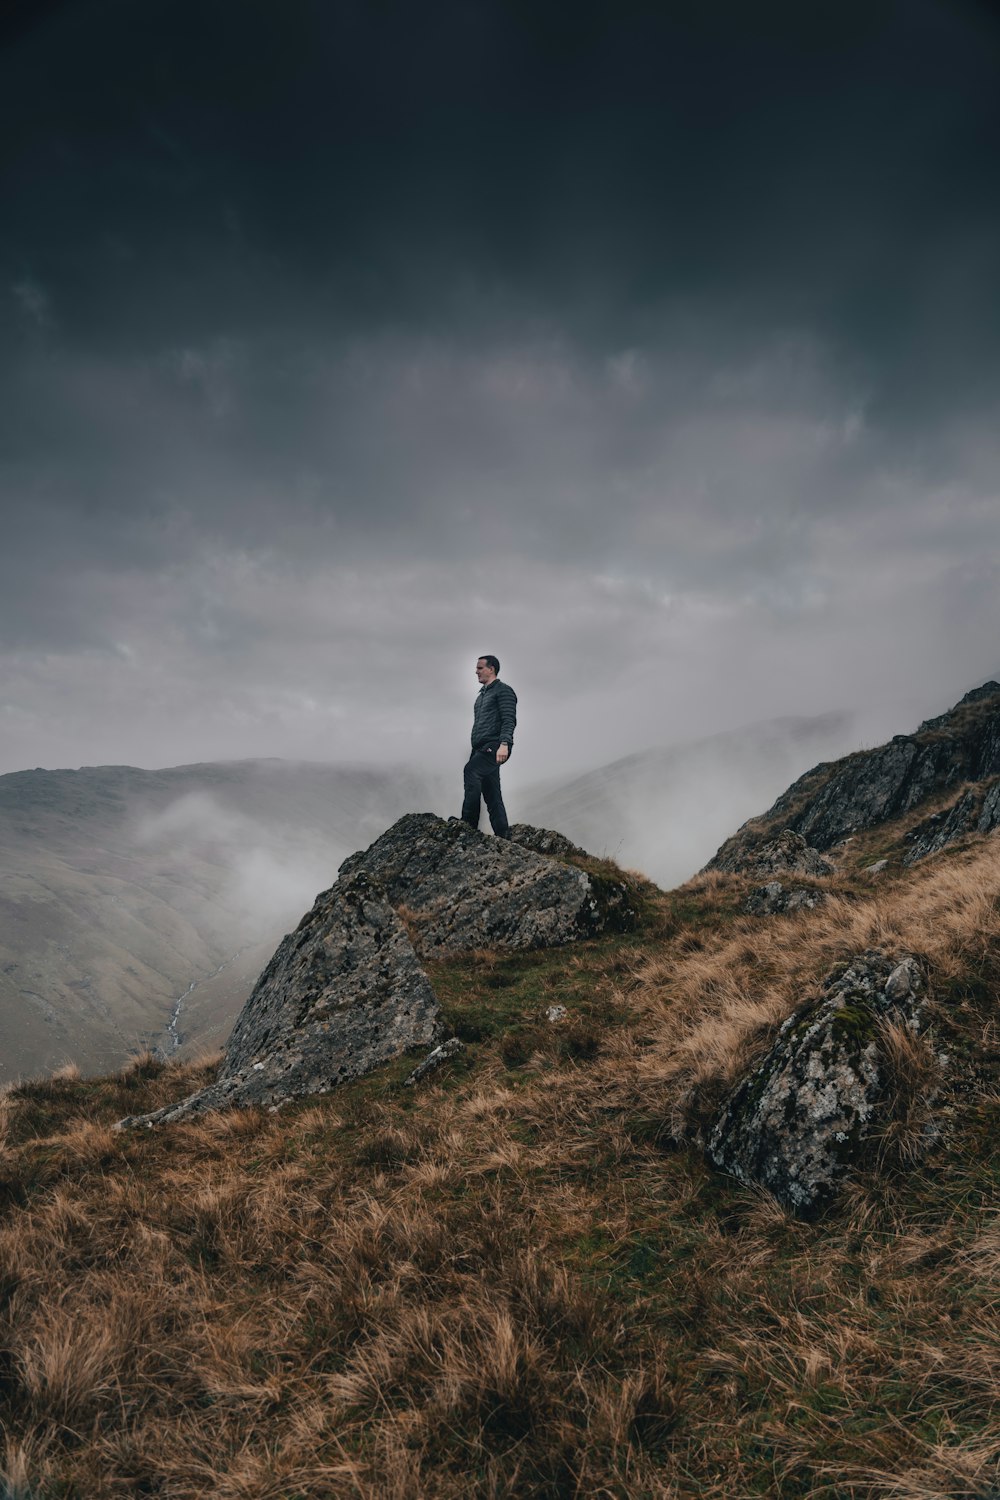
x=460 y=889
x=870 y=787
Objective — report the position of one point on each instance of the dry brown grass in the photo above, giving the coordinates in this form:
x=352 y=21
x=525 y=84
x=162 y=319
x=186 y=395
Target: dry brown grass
x=501 y=1284
x=718 y=998
x=68 y=1073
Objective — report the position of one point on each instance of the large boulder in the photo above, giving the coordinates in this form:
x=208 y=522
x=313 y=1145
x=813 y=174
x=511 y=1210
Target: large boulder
x=800 y=1118
x=343 y=994
x=459 y=889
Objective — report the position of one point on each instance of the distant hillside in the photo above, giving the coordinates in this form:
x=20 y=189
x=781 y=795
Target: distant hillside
x=123 y=892
x=663 y=811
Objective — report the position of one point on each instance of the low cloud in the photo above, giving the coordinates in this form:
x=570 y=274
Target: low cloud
x=260 y=877
x=665 y=812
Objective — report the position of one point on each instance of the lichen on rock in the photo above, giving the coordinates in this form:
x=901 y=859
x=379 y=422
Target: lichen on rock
x=786 y=854
x=789 y=854
x=546 y=841
x=802 y=1116
x=460 y=889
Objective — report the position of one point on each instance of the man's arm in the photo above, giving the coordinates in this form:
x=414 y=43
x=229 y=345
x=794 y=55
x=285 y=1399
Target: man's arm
x=507 y=706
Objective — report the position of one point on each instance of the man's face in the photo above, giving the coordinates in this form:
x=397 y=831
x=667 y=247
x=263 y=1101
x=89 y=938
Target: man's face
x=484 y=672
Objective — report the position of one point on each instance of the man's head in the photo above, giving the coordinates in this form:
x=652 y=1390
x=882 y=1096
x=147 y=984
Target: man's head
x=487 y=668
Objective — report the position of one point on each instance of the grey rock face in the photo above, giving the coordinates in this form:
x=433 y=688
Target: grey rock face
x=459 y=889
x=876 y=786
x=989 y=814
x=788 y=854
x=797 y=1122
x=943 y=828
x=545 y=841
x=451 y=1048
x=343 y=994
x=977 y=695
x=773 y=899
x=977 y=810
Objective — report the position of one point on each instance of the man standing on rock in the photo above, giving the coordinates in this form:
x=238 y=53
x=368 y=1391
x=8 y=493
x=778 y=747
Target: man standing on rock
x=493 y=718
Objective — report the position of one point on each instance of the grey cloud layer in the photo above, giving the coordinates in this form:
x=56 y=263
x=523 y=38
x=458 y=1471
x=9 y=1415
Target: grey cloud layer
x=662 y=347
x=250 y=656
x=680 y=456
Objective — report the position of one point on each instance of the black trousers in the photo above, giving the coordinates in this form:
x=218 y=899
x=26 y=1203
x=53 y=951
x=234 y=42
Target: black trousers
x=482 y=781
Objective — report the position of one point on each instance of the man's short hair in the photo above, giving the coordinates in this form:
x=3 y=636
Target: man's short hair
x=491 y=661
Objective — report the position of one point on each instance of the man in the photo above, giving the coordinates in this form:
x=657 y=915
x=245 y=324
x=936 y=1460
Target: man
x=493 y=718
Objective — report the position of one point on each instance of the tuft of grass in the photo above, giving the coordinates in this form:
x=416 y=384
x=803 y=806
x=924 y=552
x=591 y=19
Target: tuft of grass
x=68 y=1073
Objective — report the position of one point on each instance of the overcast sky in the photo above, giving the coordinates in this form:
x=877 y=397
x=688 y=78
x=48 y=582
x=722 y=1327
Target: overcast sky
x=653 y=347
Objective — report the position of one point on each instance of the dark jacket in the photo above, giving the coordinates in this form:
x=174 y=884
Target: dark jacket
x=494 y=715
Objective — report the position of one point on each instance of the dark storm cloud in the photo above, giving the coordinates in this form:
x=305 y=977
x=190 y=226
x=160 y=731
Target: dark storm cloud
x=818 y=163
x=322 y=325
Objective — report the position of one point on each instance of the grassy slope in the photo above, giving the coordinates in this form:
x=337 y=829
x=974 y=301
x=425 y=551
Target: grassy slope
x=513 y=1281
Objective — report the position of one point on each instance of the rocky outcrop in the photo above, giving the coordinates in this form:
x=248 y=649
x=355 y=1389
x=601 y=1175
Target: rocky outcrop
x=346 y=992
x=788 y=854
x=343 y=994
x=989 y=812
x=871 y=787
x=546 y=841
x=976 y=810
x=459 y=889
x=984 y=694
x=773 y=899
x=799 y=1119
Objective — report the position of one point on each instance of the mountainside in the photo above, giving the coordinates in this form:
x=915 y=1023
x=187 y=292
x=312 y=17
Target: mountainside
x=137 y=907
x=661 y=811
x=948 y=772
x=705 y=1207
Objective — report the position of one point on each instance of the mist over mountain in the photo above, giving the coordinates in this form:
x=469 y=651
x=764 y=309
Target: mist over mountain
x=124 y=892
x=664 y=810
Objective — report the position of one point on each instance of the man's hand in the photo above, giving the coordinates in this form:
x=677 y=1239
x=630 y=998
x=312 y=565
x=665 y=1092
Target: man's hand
x=502 y=754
